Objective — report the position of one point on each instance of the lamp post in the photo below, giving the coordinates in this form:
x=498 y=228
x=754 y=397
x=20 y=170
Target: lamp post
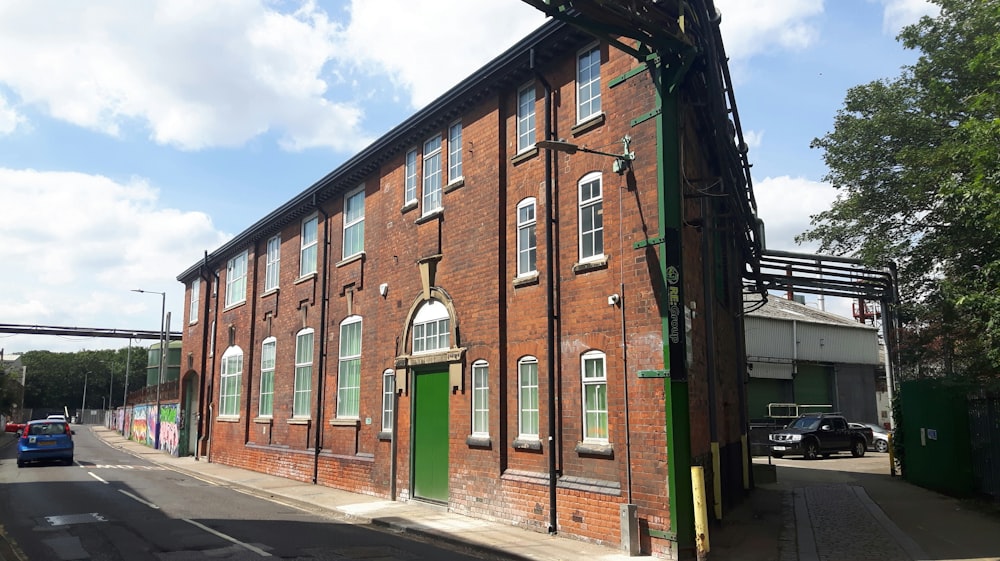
x=622 y=163
x=128 y=365
x=83 y=402
x=159 y=373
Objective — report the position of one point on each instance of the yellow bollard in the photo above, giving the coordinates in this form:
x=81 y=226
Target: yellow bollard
x=700 y=512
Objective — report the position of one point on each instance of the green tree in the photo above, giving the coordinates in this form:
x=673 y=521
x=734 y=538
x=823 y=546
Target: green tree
x=916 y=160
x=56 y=380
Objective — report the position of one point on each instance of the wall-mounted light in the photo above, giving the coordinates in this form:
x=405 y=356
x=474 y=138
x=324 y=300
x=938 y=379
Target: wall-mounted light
x=383 y=289
x=614 y=299
x=623 y=161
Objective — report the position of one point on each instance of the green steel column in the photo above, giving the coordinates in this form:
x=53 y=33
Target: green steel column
x=669 y=201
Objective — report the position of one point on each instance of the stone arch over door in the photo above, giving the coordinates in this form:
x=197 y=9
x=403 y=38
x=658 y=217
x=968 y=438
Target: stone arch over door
x=429 y=376
x=453 y=357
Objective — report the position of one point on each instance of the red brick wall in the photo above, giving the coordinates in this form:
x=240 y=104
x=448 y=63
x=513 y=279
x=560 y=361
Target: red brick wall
x=496 y=319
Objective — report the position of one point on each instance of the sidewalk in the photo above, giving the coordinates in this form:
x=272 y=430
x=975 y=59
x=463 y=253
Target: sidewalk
x=839 y=515
x=750 y=532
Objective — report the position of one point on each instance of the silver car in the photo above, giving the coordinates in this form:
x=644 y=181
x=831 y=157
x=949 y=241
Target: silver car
x=880 y=436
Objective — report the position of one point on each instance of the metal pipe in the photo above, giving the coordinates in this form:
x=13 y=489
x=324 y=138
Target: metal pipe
x=320 y=370
x=554 y=443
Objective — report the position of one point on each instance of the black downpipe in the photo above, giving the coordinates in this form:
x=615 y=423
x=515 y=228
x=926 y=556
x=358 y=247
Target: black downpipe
x=321 y=371
x=213 y=326
x=206 y=275
x=554 y=444
x=252 y=351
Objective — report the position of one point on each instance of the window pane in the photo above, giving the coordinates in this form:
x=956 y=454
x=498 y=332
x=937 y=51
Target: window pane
x=480 y=399
x=588 y=79
x=411 y=177
x=455 y=152
x=354 y=224
x=272 y=269
x=525 y=119
x=307 y=263
x=388 y=399
x=303 y=374
x=528 y=399
x=349 y=372
x=432 y=175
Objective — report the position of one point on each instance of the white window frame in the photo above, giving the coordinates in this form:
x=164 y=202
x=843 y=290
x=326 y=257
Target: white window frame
x=588 y=83
x=236 y=279
x=193 y=307
x=527 y=249
x=309 y=246
x=354 y=222
x=480 y=398
x=527 y=399
x=268 y=356
x=591 y=207
x=432 y=175
x=272 y=263
x=388 y=398
x=595 y=382
x=455 y=152
x=231 y=382
x=302 y=390
x=349 y=371
x=526 y=100
x=431 y=328
x=410 y=181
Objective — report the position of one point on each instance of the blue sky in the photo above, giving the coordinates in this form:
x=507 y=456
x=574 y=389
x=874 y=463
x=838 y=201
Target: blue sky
x=135 y=136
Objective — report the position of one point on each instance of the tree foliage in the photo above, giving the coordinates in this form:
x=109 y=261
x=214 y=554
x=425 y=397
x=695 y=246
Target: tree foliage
x=916 y=161
x=57 y=380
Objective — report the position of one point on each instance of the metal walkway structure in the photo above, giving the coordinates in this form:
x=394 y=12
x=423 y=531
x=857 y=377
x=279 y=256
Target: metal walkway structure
x=87 y=332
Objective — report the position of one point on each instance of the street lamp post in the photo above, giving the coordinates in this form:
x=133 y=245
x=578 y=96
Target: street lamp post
x=159 y=373
x=83 y=402
x=111 y=385
x=128 y=365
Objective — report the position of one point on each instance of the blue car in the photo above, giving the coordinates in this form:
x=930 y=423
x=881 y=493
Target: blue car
x=46 y=439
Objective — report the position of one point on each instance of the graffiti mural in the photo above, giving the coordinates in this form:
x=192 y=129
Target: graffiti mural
x=139 y=428
x=169 y=428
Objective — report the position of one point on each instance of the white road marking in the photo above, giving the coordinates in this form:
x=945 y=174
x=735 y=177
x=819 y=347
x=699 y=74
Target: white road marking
x=95 y=476
x=75 y=519
x=254 y=549
x=131 y=496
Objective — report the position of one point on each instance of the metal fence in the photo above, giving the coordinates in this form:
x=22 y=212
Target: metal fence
x=984 y=426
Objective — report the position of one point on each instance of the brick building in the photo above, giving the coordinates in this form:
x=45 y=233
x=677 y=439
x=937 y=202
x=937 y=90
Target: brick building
x=457 y=315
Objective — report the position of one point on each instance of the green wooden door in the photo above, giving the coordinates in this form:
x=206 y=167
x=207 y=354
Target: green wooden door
x=430 y=436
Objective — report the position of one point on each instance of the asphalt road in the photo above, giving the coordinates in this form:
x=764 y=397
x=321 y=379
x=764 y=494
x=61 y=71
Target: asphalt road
x=114 y=506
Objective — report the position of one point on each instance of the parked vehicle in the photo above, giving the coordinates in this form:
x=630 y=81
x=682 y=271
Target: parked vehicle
x=819 y=434
x=46 y=439
x=880 y=436
x=14 y=427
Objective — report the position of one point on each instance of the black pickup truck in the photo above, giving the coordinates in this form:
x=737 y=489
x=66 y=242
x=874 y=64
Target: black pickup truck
x=819 y=434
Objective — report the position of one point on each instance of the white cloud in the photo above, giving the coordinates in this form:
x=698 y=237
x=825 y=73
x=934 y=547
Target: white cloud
x=428 y=47
x=785 y=204
x=900 y=13
x=196 y=74
x=754 y=139
x=9 y=117
x=76 y=244
x=751 y=27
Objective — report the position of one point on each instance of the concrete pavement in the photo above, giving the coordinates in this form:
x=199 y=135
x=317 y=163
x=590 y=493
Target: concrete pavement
x=838 y=509
x=746 y=535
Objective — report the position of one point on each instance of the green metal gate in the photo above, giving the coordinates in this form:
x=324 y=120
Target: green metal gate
x=430 y=436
